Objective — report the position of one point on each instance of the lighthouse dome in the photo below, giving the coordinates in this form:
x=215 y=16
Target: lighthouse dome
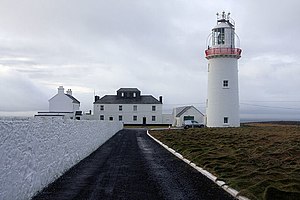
x=222 y=25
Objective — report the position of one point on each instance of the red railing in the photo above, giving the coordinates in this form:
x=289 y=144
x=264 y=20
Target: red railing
x=223 y=51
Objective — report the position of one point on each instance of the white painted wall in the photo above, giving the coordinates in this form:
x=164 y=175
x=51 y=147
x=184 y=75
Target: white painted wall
x=35 y=152
x=222 y=102
x=143 y=110
x=178 y=121
x=62 y=103
x=167 y=119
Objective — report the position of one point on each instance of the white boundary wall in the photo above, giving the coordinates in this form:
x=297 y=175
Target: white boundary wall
x=36 y=152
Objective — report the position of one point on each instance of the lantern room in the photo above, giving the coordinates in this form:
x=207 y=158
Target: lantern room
x=222 y=41
x=223 y=34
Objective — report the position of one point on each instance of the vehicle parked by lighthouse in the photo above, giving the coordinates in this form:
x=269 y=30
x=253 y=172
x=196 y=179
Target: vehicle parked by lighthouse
x=222 y=104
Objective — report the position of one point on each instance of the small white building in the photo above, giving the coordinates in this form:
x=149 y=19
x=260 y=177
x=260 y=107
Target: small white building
x=62 y=105
x=129 y=107
x=180 y=114
x=63 y=102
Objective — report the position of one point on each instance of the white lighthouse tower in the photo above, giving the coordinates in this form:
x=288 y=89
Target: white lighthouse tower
x=222 y=106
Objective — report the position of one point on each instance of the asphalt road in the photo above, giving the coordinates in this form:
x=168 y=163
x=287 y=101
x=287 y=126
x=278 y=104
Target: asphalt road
x=132 y=166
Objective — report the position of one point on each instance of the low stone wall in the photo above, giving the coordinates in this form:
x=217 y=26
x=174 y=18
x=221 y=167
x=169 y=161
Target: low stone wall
x=35 y=152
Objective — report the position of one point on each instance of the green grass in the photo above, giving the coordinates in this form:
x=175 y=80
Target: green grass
x=262 y=162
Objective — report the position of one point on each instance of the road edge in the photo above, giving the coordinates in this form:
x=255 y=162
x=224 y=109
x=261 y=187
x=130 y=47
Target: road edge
x=222 y=184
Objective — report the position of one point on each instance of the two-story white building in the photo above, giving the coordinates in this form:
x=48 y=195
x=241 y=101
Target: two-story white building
x=63 y=105
x=63 y=102
x=129 y=107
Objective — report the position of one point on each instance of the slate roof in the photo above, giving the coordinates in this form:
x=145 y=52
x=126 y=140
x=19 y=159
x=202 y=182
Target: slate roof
x=113 y=99
x=181 y=110
x=128 y=90
x=73 y=98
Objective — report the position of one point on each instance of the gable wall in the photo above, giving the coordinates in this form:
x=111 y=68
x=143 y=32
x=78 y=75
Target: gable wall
x=190 y=112
x=62 y=103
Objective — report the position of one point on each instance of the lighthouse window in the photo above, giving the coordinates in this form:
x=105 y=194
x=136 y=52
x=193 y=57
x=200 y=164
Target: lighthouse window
x=225 y=83
x=225 y=120
x=218 y=36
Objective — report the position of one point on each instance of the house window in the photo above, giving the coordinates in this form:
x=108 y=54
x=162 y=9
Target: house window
x=120 y=117
x=135 y=108
x=134 y=94
x=225 y=83
x=111 y=119
x=153 y=118
x=120 y=108
x=153 y=108
x=122 y=94
x=102 y=107
x=225 y=120
x=134 y=118
x=101 y=117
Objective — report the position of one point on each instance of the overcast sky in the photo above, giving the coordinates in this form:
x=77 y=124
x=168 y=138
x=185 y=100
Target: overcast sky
x=157 y=46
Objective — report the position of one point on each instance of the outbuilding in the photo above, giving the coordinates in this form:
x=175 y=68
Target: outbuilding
x=180 y=114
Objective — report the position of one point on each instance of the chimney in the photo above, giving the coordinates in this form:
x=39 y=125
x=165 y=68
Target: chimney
x=160 y=99
x=97 y=98
x=69 y=92
x=61 y=90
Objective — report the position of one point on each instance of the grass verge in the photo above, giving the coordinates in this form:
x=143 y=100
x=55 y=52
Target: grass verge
x=262 y=162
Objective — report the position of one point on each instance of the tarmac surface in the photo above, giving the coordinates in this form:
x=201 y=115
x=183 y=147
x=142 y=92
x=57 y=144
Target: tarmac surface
x=132 y=166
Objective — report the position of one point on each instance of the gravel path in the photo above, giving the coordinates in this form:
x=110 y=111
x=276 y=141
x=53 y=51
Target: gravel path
x=132 y=166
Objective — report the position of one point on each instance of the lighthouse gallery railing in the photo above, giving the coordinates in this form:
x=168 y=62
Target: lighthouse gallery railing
x=223 y=51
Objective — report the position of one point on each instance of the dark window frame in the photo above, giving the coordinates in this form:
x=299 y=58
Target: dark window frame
x=153 y=108
x=134 y=118
x=226 y=120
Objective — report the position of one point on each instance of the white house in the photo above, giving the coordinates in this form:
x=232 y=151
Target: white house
x=62 y=105
x=129 y=107
x=180 y=114
x=63 y=102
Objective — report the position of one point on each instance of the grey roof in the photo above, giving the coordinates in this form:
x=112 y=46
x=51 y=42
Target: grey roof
x=128 y=90
x=181 y=110
x=73 y=98
x=113 y=99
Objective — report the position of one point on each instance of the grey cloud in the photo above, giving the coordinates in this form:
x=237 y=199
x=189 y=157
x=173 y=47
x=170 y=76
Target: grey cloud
x=19 y=94
x=157 y=46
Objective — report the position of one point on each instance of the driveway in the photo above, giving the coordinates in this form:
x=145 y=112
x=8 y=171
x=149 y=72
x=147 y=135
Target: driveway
x=132 y=166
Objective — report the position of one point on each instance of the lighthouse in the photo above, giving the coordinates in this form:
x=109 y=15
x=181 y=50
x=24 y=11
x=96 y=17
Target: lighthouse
x=222 y=104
